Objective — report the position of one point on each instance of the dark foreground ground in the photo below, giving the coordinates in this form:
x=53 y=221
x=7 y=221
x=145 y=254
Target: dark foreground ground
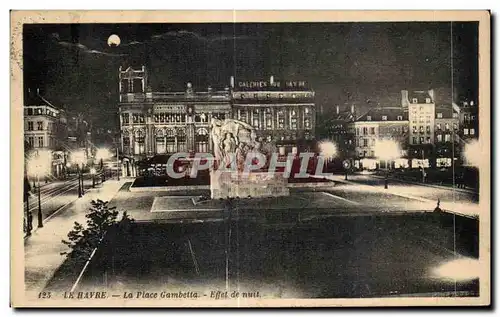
x=359 y=256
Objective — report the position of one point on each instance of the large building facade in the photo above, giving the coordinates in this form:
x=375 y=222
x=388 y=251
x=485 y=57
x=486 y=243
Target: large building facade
x=387 y=123
x=163 y=123
x=282 y=112
x=45 y=129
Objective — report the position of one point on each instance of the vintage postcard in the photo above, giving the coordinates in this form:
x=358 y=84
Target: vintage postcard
x=250 y=158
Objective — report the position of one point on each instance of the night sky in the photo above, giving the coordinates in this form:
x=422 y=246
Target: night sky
x=365 y=63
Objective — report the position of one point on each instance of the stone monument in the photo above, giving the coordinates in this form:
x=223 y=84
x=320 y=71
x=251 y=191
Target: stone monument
x=233 y=140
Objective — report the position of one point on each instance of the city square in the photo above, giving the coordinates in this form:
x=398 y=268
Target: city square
x=156 y=169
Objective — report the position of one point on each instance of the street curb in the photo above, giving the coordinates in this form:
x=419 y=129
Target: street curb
x=466 y=191
x=207 y=187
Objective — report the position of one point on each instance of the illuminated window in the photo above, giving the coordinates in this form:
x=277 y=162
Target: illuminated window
x=438 y=126
x=427 y=100
x=369 y=118
x=170 y=141
x=280 y=115
x=466 y=131
x=384 y=118
x=440 y=138
x=181 y=141
x=472 y=131
x=293 y=120
x=400 y=118
x=414 y=100
x=256 y=120
x=202 y=141
x=268 y=117
x=439 y=115
x=447 y=138
x=160 y=142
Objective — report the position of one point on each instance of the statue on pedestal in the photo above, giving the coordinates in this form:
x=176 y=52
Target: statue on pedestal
x=233 y=139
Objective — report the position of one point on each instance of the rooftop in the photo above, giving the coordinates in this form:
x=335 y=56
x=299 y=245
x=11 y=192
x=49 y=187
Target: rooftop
x=391 y=114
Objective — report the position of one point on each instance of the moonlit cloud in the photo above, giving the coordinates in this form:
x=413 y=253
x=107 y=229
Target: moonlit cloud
x=83 y=48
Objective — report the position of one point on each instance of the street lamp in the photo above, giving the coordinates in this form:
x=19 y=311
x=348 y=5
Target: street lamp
x=39 y=165
x=472 y=154
x=386 y=150
x=327 y=150
x=78 y=158
x=101 y=155
x=92 y=172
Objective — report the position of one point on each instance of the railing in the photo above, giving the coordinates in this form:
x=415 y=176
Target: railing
x=159 y=96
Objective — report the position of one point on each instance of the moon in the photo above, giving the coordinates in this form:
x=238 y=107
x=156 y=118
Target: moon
x=114 y=40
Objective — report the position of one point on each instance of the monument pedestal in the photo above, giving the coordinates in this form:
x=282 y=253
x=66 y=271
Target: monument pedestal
x=230 y=184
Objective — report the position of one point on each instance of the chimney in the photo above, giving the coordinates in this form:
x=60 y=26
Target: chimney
x=404 y=99
x=232 y=81
x=338 y=110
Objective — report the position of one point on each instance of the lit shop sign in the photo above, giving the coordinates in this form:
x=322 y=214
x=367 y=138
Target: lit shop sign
x=277 y=84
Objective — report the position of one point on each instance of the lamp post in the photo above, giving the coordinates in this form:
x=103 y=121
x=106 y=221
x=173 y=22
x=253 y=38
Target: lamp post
x=40 y=220
x=117 y=164
x=28 y=220
x=386 y=150
x=79 y=183
x=78 y=158
x=39 y=165
x=92 y=172
x=101 y=155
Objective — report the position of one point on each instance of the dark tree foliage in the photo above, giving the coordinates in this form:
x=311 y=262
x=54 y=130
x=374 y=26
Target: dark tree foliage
x=82 y=240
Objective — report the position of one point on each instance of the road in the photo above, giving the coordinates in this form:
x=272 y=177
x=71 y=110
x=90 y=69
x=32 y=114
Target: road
x=55 y=195
x=430 y=192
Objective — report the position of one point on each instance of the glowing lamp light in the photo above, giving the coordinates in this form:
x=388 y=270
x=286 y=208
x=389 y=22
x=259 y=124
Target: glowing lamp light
x=78 y=157
x=327 y=149
x=92 y=171
x=472 y=154
x=40 y=163
x=102 y=154
x=463 y=269
x=387 y=150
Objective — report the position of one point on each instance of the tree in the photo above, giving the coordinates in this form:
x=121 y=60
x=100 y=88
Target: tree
x=83 y=240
